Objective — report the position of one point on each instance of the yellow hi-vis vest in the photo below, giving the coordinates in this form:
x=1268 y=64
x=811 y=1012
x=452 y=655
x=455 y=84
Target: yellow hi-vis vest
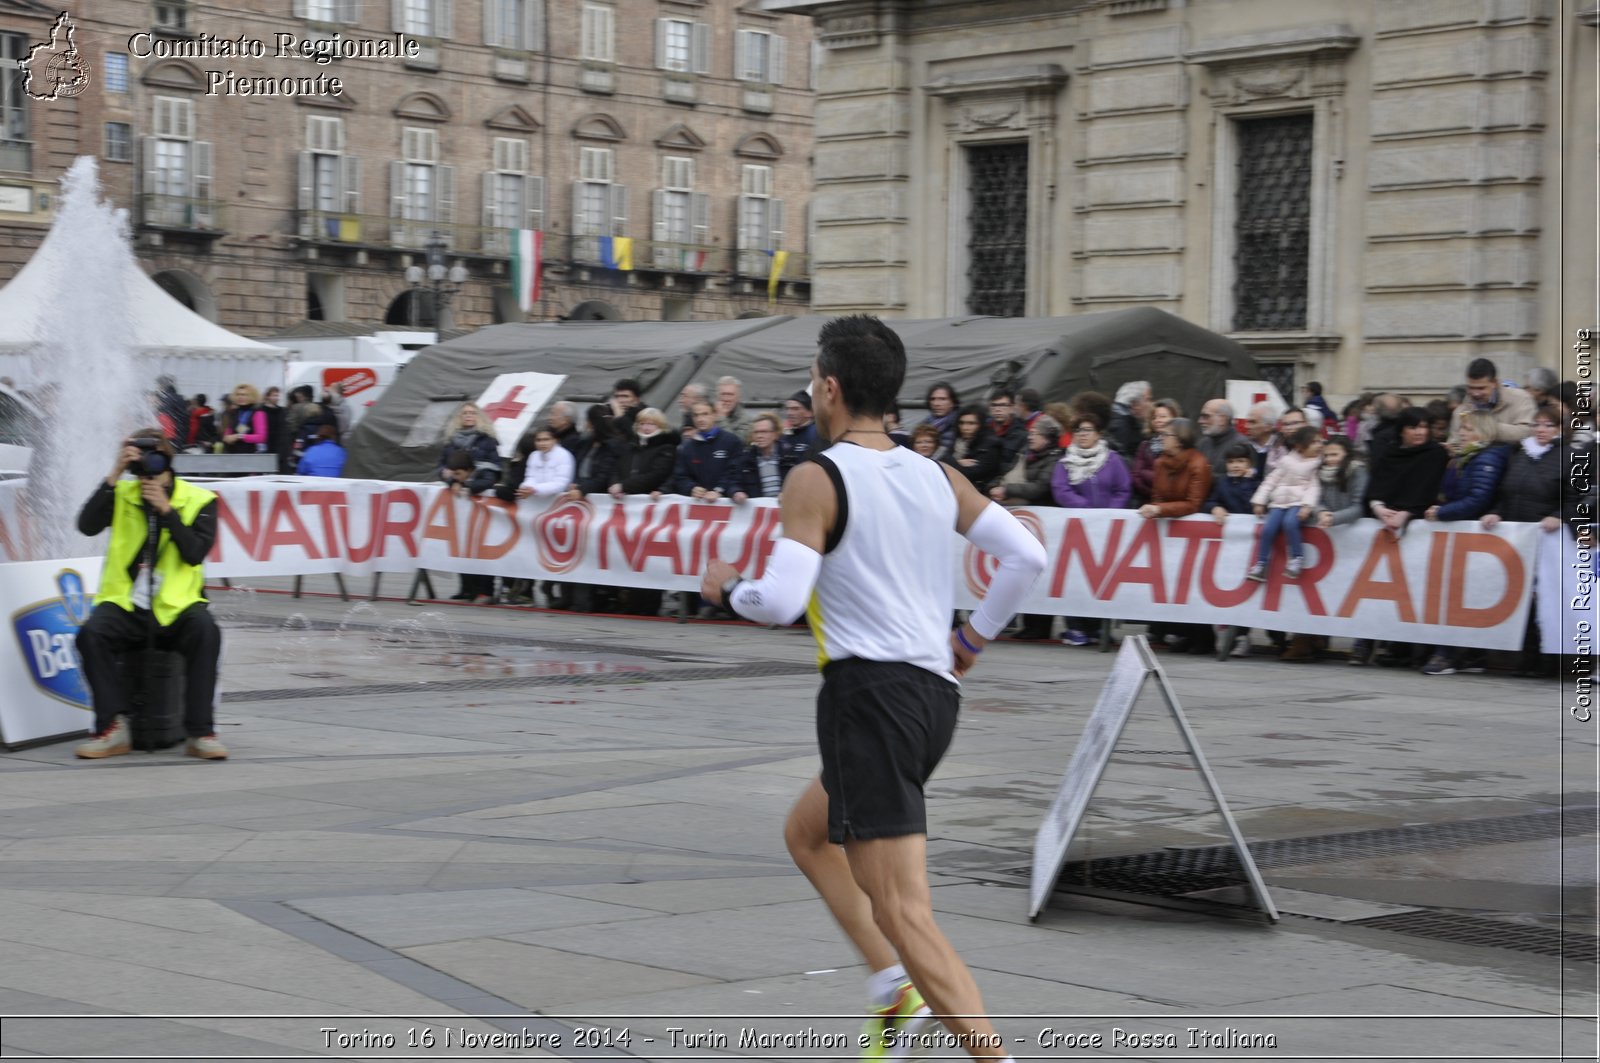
x=180 y=584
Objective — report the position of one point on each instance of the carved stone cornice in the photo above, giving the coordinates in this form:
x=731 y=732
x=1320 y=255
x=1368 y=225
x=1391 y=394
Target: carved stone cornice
x=1297 y=63
x=1014 y=79
x=983 y=101
x=1336 y=39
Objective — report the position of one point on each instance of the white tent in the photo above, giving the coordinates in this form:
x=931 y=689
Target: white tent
x=199 y=354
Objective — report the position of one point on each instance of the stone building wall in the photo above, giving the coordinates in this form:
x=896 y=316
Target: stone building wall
x=1439 y=191
x=251 y=269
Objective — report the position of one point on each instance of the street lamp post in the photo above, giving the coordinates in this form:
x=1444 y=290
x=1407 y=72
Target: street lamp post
x=441 y=280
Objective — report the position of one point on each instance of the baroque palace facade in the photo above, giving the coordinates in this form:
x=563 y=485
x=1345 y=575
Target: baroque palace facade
x=1363 y=192
x=287 y=160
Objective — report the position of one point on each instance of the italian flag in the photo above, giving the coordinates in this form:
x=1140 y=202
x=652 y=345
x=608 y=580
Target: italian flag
x=527 y=262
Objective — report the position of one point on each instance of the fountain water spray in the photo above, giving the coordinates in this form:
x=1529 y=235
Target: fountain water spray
x=86 y=374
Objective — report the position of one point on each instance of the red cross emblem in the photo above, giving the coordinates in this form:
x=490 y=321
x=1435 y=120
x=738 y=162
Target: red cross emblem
x=508 y=408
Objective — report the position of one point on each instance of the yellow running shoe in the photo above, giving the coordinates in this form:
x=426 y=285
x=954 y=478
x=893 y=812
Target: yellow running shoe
x=894 y=1031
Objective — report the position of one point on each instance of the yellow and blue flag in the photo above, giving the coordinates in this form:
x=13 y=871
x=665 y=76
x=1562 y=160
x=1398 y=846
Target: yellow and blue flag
x=779 y=260
x=617 y=252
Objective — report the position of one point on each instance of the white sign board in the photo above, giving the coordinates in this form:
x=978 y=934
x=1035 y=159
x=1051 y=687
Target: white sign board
x=1134 y=664
x=1243 y=394
x=511 y=401
x=1088 y=763
x=43 y=694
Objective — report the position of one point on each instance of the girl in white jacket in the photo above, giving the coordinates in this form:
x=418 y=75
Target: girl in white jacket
x=1286 y=497
x=550 y=467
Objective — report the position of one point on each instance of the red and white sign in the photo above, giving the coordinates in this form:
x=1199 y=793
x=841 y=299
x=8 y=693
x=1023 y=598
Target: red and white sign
x=1441 y=584
x=355 y=379
x=512 y=400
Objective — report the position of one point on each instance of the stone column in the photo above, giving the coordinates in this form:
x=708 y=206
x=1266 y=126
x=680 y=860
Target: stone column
x=863 y=128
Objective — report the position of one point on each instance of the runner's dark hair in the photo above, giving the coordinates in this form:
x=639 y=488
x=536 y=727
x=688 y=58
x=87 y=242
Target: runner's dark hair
x=868 y=360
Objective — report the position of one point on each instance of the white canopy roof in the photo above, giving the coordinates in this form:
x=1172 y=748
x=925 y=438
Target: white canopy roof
x=157 y=323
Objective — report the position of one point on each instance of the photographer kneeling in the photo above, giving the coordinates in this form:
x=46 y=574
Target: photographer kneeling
x=151 y=592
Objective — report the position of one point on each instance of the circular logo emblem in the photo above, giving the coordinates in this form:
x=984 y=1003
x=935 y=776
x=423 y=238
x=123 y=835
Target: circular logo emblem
x=66 y=74
x=980 y=567
x=561 y=533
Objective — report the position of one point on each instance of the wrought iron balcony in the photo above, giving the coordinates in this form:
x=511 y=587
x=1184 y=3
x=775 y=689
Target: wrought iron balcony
x=754 y=263
x=338 y=228
x=199 y=217
x=658 y=256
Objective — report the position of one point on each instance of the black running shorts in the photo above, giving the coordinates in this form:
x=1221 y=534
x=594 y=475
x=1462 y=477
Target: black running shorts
x=883 y=727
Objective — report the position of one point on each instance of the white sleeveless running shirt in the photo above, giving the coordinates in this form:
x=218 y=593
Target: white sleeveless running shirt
x=888 y=585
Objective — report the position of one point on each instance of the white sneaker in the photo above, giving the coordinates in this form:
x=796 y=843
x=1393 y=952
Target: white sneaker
x=206 y=747
x=1242 y=647
x=112 y=742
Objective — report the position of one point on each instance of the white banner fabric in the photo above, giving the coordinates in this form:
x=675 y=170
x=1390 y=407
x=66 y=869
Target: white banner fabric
x=1441 y=584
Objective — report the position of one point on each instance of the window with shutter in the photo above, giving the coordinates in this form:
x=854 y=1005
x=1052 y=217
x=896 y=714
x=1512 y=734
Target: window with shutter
x=674 y=45
x=677 y=172
x=119 y=142
x=419 y=145
x=511 y=155
x=173 y=165
x=418 y=17
x=598 y=39
x=753 y=61
x=16 y=150
x=352 y=184
x=325 y=134
x=756 y=180
x=512 y=24
x=673 y=205
x=506 y=193
x=535 y=203
x=595 y=164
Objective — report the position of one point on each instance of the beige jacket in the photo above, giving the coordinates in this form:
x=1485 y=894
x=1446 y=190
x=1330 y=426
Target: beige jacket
x=1513 y=412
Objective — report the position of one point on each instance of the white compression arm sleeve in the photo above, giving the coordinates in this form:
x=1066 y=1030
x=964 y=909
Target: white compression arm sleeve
x=780 y=596
x=1002 y=536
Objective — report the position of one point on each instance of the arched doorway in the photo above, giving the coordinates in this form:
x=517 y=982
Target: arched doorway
x=594 y=310
x=412 y=308
x=189 y=290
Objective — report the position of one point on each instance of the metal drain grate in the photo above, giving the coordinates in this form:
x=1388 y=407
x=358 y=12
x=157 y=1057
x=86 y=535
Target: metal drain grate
x=1168 y=873
x=1187 y=870
x=1175 y=872
x=774 y=668
x=1470 y=930
x=1425 y=837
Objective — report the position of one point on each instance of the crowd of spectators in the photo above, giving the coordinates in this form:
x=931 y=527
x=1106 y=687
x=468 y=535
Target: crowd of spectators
x=307 y=436
x=1489 y=451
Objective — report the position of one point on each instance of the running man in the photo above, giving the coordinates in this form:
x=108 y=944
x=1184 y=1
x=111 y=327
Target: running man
x=863 y=555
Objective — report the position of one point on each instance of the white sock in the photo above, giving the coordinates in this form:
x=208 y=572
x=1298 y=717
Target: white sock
x=881 y=985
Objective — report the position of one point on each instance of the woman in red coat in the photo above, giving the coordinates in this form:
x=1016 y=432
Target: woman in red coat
x=1181 y=483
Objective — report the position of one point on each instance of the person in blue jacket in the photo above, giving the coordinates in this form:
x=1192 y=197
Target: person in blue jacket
x=802 y=440
x=1471 y=482
x=325 y=457
x=1231 y=494
x=706 y=455
x=762 y=467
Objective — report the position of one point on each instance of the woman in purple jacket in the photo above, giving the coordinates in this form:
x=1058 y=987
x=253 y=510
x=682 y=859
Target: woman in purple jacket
x=1090 y=475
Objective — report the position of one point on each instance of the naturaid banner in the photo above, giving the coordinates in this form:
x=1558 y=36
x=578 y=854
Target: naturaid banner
x=1442 y=584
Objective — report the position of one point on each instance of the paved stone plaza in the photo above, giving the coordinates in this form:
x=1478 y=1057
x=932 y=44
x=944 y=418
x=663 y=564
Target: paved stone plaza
x=451 y=831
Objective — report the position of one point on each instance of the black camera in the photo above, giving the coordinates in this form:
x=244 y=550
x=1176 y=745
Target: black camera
x=151 y=461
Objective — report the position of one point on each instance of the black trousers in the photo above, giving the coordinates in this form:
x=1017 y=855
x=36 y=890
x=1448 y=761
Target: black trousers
x=193 y=635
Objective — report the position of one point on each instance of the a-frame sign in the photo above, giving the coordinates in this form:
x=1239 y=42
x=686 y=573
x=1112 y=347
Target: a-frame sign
x=1134 y=667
